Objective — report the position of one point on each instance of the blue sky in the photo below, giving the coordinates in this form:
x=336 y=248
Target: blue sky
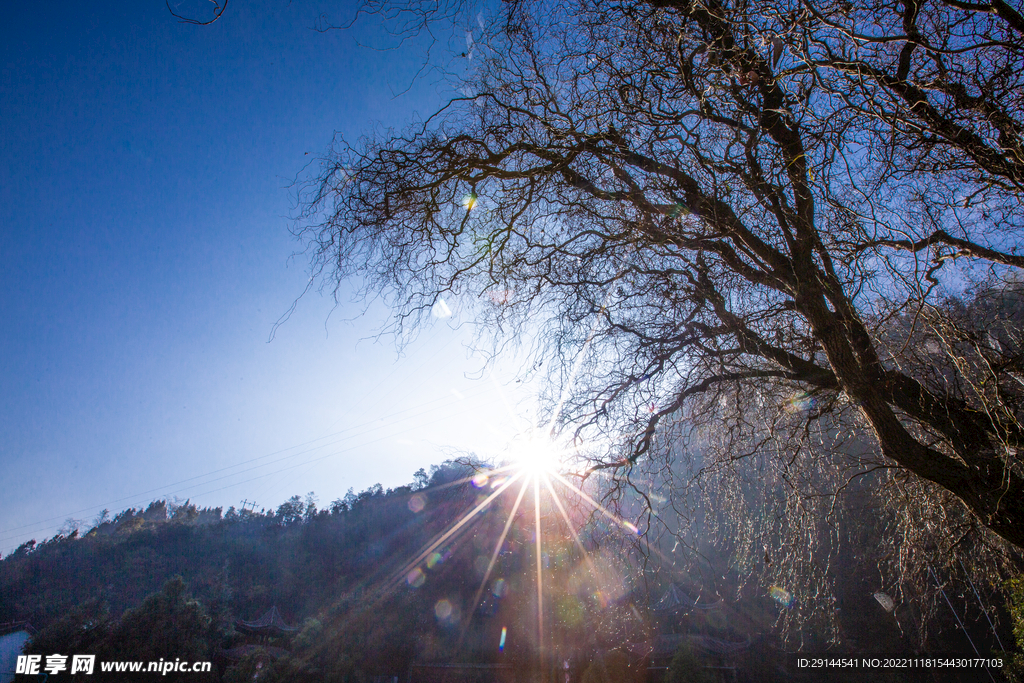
x=145 y=256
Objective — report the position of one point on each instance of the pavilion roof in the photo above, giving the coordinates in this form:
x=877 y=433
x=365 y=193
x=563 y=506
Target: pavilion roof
x=270 y=622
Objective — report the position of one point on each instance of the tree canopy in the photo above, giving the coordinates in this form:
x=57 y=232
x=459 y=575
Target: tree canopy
x=769 y=218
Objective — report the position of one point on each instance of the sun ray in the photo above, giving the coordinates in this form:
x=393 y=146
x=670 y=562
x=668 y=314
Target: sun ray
x=540 y=584
x=466 y=480
x=379 y=591
x=572 y=531
x=494 y=556
x=458 y=525
x=450 y=535
x=564 y=395
x=600 y=508
x=504 y=399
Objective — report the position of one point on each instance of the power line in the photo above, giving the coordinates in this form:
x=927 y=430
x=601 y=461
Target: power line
x=373 y=426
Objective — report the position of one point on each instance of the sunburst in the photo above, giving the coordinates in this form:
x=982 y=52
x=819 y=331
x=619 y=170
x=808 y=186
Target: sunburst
x=535 y=459
x=536 y=464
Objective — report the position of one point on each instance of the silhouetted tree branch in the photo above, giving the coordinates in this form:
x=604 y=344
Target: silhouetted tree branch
x=218 y=12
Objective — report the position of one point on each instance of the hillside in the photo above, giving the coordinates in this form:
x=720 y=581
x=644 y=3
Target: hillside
x=364 y=592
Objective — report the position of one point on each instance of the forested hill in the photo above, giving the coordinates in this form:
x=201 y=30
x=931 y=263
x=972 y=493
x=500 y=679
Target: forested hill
x=314 y=564
x=360 y=583
x=364 y=593
x=239 y=560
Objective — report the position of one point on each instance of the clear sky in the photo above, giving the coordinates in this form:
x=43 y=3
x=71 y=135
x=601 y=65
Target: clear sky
x=144 y=257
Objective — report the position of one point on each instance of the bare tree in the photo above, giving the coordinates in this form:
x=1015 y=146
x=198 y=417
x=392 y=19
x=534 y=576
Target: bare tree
x=755 y=206
x=786 y=489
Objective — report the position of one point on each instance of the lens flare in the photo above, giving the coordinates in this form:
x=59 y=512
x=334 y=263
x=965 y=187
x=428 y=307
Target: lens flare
x=798 y=402
x=416 y=578
x=417 y=502
x=441 y=309
x=781 y=596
